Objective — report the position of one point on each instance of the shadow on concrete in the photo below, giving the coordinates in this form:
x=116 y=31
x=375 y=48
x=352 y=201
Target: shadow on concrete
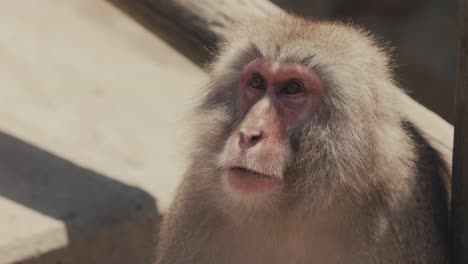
x=95 y=209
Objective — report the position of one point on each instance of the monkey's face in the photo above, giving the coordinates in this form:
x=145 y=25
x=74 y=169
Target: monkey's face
x=273 y=98
x=296 y=113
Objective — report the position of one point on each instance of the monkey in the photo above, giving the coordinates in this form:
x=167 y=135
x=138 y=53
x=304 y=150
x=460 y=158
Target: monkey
x=303 y=154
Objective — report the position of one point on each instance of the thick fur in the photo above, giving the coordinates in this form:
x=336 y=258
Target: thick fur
x=361 y=185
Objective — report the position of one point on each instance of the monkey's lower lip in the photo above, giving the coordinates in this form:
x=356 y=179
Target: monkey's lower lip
x=248 y=181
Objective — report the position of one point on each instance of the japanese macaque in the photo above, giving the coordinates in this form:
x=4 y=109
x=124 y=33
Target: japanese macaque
x=304 y=155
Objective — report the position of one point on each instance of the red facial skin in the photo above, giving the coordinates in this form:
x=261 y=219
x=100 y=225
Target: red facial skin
x=293 y=108
x=269 y=113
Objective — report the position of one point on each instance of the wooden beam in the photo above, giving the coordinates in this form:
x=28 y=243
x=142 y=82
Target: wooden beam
x=194 y=27
x=459 y=212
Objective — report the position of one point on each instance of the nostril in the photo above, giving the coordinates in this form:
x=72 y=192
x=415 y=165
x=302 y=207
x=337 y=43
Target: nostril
x=250 y=139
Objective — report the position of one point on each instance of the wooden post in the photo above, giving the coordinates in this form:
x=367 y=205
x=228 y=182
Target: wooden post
x=459 y=211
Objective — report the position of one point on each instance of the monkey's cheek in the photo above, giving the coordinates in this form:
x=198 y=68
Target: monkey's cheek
x=245 y=183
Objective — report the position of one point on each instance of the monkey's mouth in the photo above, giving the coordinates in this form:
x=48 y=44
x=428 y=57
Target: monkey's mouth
x=247 y=181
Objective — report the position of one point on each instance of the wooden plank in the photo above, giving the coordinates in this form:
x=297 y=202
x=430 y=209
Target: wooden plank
x=459 y=214
x=193 y=27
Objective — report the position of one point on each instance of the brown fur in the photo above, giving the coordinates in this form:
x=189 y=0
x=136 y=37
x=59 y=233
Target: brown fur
x=354 y=188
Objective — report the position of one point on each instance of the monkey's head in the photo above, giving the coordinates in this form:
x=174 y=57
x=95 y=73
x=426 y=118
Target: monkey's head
x=298 y=113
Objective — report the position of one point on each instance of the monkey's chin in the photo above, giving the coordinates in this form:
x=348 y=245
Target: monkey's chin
x=248 y=182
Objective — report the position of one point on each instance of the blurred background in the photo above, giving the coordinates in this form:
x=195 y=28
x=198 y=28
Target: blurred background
x=91 y=104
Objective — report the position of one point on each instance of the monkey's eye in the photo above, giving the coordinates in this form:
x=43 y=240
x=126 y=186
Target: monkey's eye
x=257 y=82
x=293 y=87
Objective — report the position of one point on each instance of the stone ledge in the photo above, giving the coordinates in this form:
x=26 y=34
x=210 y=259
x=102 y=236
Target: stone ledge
x=87 y=131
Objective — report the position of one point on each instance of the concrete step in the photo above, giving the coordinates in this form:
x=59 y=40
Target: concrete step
x=91 y=105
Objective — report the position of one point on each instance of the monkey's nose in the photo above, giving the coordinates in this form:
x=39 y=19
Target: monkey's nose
x=248 y=139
